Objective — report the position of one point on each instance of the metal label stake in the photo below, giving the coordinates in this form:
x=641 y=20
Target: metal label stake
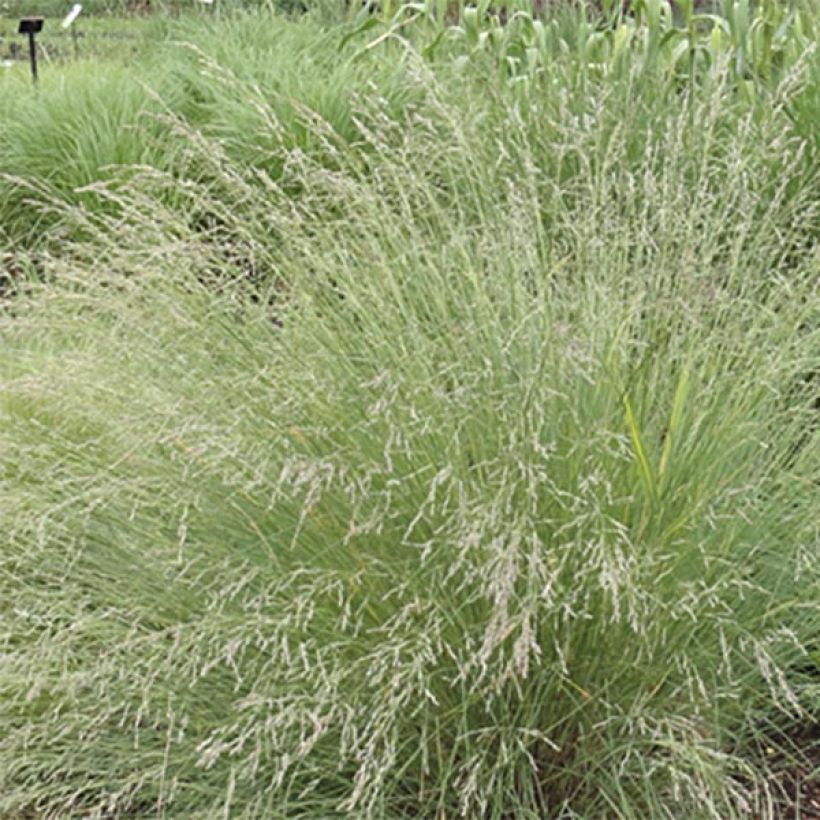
x=31 y=26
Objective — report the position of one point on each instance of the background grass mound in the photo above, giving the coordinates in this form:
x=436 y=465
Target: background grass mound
x=250 y=83
x=465 y=465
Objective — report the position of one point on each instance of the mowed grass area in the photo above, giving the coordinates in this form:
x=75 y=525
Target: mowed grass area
x=414 y=416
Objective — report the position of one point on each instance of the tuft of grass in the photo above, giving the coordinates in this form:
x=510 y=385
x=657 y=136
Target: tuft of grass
x=471 y=473
x=81 y=127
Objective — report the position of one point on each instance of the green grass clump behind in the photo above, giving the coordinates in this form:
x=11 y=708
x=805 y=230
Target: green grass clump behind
x=487 y=496
x=83 y=127
x=252 y=82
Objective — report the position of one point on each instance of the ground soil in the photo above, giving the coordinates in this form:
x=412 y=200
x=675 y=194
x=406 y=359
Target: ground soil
x=796 y=773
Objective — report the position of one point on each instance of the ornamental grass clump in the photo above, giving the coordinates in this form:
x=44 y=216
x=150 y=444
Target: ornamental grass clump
x=484 y=498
